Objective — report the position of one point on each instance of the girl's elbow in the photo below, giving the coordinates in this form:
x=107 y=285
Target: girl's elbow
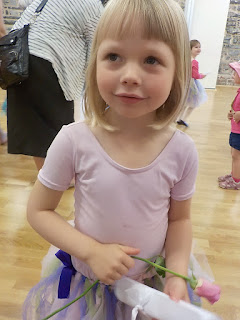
x=31 y=213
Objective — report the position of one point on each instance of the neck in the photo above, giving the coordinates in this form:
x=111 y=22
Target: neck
x=131 y=126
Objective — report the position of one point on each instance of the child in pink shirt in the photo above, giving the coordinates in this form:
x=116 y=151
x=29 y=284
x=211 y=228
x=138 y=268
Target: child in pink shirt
x=197 y=94
x=134 y=173
x=232 y=181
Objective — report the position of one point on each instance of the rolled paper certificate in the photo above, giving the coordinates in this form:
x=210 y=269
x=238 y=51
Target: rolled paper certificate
x=156 y=304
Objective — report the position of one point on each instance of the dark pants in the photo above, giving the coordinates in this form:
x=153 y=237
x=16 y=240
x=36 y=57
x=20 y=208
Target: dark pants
x=37 y=110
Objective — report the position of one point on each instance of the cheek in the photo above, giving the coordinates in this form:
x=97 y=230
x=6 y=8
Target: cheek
x=161 y=85
x=102 y=79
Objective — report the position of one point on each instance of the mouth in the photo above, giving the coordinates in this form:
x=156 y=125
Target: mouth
x=129 y=98
x=129 y=95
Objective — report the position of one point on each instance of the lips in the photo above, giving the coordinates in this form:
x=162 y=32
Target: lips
x=129 y=95
x=129 y=98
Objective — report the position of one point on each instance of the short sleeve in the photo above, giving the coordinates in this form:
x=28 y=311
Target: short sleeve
x=58 y=169
x=185 y=187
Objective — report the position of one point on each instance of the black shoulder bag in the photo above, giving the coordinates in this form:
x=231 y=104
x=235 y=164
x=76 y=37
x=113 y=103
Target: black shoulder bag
x=14 y=54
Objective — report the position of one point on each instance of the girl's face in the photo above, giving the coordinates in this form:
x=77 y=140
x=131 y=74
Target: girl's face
x=236 y=78
x=134 y=75
x=196 y=50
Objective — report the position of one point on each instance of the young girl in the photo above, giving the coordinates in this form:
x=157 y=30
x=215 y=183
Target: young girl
x=232 y=181
x=197 y=94
x=134 y=173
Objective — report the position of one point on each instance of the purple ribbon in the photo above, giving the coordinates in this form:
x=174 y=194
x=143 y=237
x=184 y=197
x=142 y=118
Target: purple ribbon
x=66 y=276
x=111 y=302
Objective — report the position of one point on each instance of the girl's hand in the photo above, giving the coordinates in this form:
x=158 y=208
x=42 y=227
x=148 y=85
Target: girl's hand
x=176 y=288
x=230 y=115
x=236 y=116
x=110 y=262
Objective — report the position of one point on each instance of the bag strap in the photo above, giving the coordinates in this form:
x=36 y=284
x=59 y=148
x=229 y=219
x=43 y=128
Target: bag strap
x=41 y=6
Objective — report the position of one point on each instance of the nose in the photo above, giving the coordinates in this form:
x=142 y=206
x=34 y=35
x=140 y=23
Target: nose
x=131 y=75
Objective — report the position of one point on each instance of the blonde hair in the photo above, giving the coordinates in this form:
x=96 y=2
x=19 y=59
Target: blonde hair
x=162 y=20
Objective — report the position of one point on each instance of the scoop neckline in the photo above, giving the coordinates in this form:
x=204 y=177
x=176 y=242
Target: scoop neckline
x=123 y=168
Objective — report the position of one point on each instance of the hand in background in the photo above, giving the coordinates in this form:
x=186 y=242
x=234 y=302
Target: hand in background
x=110 y=262
x=176 y=288
x=236 y=116
x=230 y=115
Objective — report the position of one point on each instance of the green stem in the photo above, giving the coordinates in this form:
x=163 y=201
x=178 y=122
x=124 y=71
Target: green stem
x=67 y=305
x=162 y=268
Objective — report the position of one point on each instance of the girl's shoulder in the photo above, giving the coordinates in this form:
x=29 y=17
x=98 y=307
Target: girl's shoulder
x=182 y=139
x=179 y=144
x=78 y=131
x=194 y=62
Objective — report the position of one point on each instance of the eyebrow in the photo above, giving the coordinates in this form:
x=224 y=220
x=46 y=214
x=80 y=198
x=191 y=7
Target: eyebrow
x=148 y=49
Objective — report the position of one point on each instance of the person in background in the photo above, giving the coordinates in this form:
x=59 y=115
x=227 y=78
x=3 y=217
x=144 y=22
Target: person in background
x=232 y=181
x=197 y=93
x=3 y=135
x=133 y=171
x=59 y=45
x=22 y=4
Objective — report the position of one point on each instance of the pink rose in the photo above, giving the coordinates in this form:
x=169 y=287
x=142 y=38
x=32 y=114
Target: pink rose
x=208 y=290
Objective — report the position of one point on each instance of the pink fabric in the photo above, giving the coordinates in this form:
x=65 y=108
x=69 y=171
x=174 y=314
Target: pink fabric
x=114 y=204
x=195 y=72
x=236 y=107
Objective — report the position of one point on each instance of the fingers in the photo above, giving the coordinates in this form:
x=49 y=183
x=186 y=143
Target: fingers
x=186 y=299
x=112 y=276
x=130 y=250
x=178 y=295
x=122 y=270
x=176 y=289
x=127 y=260
x=115 y=262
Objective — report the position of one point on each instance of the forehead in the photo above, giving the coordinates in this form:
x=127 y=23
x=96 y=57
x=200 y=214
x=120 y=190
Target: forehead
x=136 y=45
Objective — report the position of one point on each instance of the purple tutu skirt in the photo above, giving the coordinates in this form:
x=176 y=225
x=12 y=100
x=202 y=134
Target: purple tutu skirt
x=197 y=94
x=64 y=284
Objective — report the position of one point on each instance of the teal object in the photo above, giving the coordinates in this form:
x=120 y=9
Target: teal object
x=4 y=106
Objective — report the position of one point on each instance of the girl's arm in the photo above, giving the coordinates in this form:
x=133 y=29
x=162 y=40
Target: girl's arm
x=195 y=72
x=51 y=226
x=178 y=247
x=109 y=262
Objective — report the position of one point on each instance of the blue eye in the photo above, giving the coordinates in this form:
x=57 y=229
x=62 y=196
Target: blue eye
x=151 y=60
x=113 y=57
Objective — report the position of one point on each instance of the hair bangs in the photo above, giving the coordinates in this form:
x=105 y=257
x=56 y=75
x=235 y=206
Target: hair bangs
x=125 y=18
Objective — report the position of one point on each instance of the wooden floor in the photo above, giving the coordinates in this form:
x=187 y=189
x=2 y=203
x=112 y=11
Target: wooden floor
x=215 y=214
